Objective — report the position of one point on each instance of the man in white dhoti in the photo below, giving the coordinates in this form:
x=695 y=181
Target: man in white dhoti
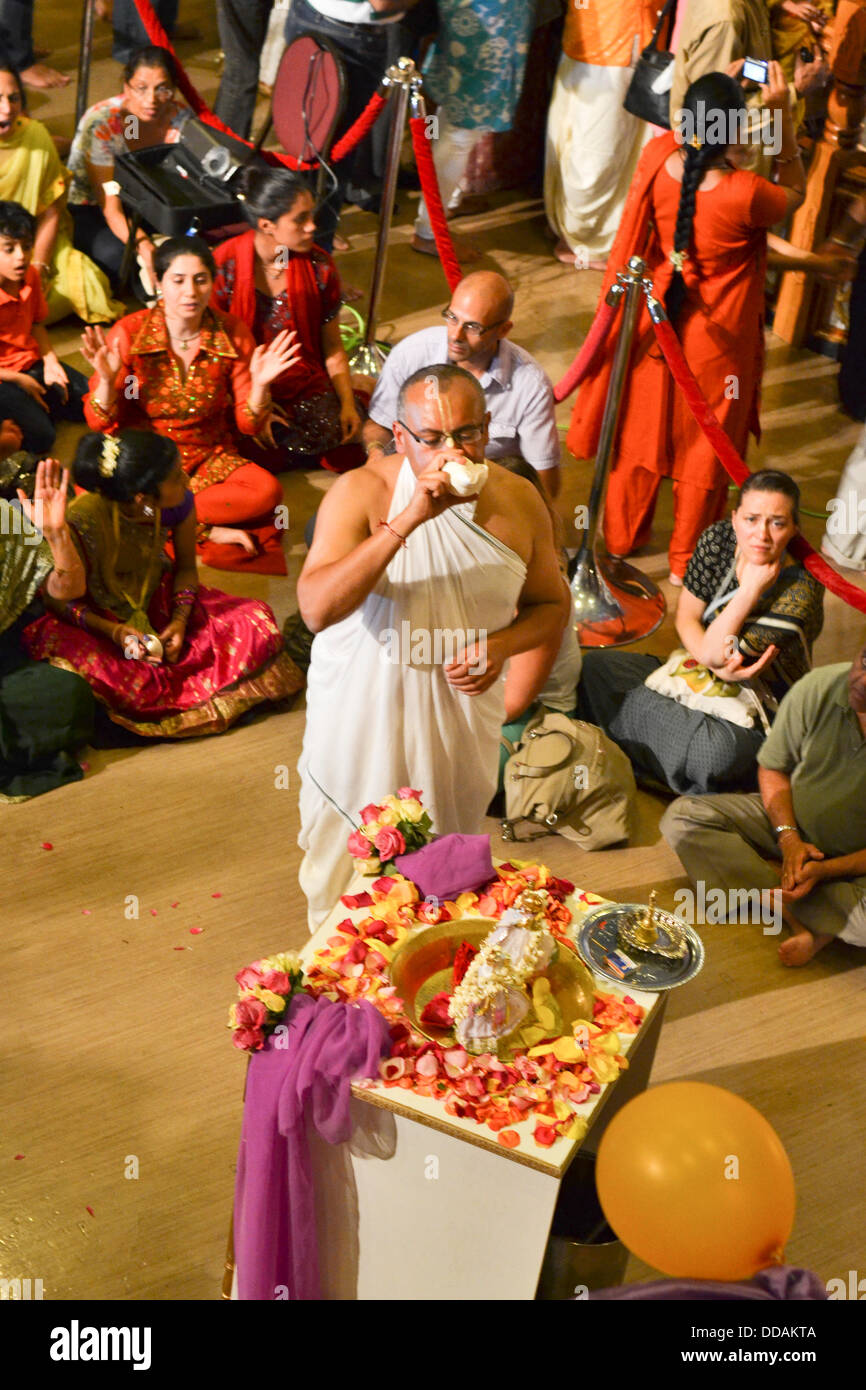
x=593 y=143
x=418 y=598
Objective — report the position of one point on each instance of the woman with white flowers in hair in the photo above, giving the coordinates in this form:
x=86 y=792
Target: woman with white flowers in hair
x=700 y=222
x=167 y=657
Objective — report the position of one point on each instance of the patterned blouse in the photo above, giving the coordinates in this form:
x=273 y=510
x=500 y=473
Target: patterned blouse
x=796 y=601
x=197 y=412
x=101 y=136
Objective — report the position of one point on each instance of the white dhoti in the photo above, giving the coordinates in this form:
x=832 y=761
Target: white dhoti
x=845 y=534
x=380 y=713
x=593 y=146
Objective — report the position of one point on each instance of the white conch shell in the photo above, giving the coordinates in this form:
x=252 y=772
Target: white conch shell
x=464 y=477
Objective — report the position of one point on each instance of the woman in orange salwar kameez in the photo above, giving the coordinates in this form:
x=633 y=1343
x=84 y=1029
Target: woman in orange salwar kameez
x=700 y=223
x=191 y=375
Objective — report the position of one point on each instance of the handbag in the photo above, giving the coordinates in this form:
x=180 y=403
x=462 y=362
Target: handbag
x=649 y=92
x=570 y=779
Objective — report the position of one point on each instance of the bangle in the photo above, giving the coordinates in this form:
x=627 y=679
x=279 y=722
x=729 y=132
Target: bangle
x=104 y=411
x=77 y=613
x=837 y=241
x=780 y=829
x=396 y=534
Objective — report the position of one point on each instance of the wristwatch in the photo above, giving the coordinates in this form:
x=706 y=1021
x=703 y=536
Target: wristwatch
x=777 y=829
x=111 y=188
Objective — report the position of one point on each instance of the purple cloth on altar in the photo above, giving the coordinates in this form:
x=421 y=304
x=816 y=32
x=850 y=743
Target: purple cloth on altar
x=780 y=1282
x=450 y=865
x=306 y=1079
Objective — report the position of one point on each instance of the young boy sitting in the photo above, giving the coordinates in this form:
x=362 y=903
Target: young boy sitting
x=35 y=388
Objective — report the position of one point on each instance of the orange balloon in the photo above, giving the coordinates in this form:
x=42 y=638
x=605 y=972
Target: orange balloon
x=696 y=1182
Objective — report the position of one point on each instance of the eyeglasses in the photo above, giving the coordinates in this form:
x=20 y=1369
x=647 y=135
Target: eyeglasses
x=476 y=330
x=469 y=434
x=162 y=92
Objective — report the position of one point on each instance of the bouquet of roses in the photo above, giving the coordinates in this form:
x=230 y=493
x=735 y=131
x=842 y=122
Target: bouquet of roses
x=399 y=825
x=264 y=990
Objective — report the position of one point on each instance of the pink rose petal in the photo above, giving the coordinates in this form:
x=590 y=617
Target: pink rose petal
x=87 y=912
x=90 y=1209
x=46 y=844
x=85 y=767
x=17 y=1156
x=153 y=912
x=196 y=931
x=174 y=904
x=216 y=895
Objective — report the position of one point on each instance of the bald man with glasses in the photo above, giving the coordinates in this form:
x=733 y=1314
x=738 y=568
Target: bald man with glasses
x=474 y=336
x=419 y=598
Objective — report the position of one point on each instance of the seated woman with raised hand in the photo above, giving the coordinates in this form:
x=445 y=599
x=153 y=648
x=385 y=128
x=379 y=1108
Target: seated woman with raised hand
x=144 y=114
x=747 y=617
x=44 y=714
x=166 y=657
x=273 y=278
x=194 y=375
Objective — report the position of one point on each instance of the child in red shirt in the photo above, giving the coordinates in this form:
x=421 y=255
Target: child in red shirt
x=36 y=389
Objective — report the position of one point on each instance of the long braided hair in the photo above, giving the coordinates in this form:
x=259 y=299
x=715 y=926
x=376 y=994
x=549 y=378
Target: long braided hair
x=713 y=100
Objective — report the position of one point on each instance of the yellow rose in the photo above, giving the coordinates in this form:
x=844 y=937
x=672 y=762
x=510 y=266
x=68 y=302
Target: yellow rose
x=403 y=892
x=369 y=866
x=233 y=1022
x=274 y=1002
x=411 y=809
x=288 y=961
x=388 y=816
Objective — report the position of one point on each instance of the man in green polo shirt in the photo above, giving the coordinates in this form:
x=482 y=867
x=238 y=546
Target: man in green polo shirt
x=809 y=816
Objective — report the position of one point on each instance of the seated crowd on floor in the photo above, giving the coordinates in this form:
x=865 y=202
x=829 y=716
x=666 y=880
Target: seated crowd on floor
x=228 y=368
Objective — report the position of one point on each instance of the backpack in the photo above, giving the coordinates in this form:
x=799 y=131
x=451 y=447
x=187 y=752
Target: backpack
x=571 y=779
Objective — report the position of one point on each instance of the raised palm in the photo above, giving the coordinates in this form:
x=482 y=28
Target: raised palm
x=103 y=358
x=47 y=510
x=272 y=359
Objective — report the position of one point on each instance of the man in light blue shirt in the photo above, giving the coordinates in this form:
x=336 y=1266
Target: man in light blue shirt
x=474 y=336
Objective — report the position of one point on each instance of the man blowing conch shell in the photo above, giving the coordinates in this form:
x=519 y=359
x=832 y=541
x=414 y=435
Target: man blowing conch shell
x=397 y=551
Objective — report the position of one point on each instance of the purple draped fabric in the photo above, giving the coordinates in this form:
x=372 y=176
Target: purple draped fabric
x=450 y=865
x=308 y=1078
x=779 y=1282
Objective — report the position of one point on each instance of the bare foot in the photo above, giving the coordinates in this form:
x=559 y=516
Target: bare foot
x=231 y=535
x=801 y=947
x=340 y=243
x=462 y=249
x=675 y=579
x=581 y=261
x=38 y=75
x=351 y=294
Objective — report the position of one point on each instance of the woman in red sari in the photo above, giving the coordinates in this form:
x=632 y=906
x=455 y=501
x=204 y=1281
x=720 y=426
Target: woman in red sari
x=274 y=278
x=700 y=223
x=190 y=373
x=168 y=658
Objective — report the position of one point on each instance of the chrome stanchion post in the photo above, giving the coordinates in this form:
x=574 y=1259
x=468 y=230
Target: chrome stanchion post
x=405 y=78
x=84 y=60
x=614 y=603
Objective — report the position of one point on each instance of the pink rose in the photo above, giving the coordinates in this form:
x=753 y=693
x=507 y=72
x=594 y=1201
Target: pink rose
x=249 y=977
x=369 y=813
x=359 y=845
x=408 y=794
x=389 y=842
x=249 y=1039
x=250 y=1013
x=277 y=980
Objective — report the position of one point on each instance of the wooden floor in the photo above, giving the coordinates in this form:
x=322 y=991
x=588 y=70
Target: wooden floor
x=120 y=1091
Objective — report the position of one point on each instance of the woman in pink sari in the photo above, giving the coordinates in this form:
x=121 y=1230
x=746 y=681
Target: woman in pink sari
x=167 y=657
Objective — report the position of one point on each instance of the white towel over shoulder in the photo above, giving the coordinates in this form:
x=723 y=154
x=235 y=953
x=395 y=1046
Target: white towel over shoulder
x=380 y=713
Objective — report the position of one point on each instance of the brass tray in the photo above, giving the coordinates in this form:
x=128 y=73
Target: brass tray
x=423 y=966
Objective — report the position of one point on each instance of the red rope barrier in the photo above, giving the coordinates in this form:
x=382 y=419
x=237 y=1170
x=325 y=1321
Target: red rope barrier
x=344 y=146
x=359 y=128
x=432 y=197
x=589 y=353
x=738 y=470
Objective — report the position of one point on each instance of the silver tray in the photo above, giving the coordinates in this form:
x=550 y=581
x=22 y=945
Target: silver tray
x=597 y=937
